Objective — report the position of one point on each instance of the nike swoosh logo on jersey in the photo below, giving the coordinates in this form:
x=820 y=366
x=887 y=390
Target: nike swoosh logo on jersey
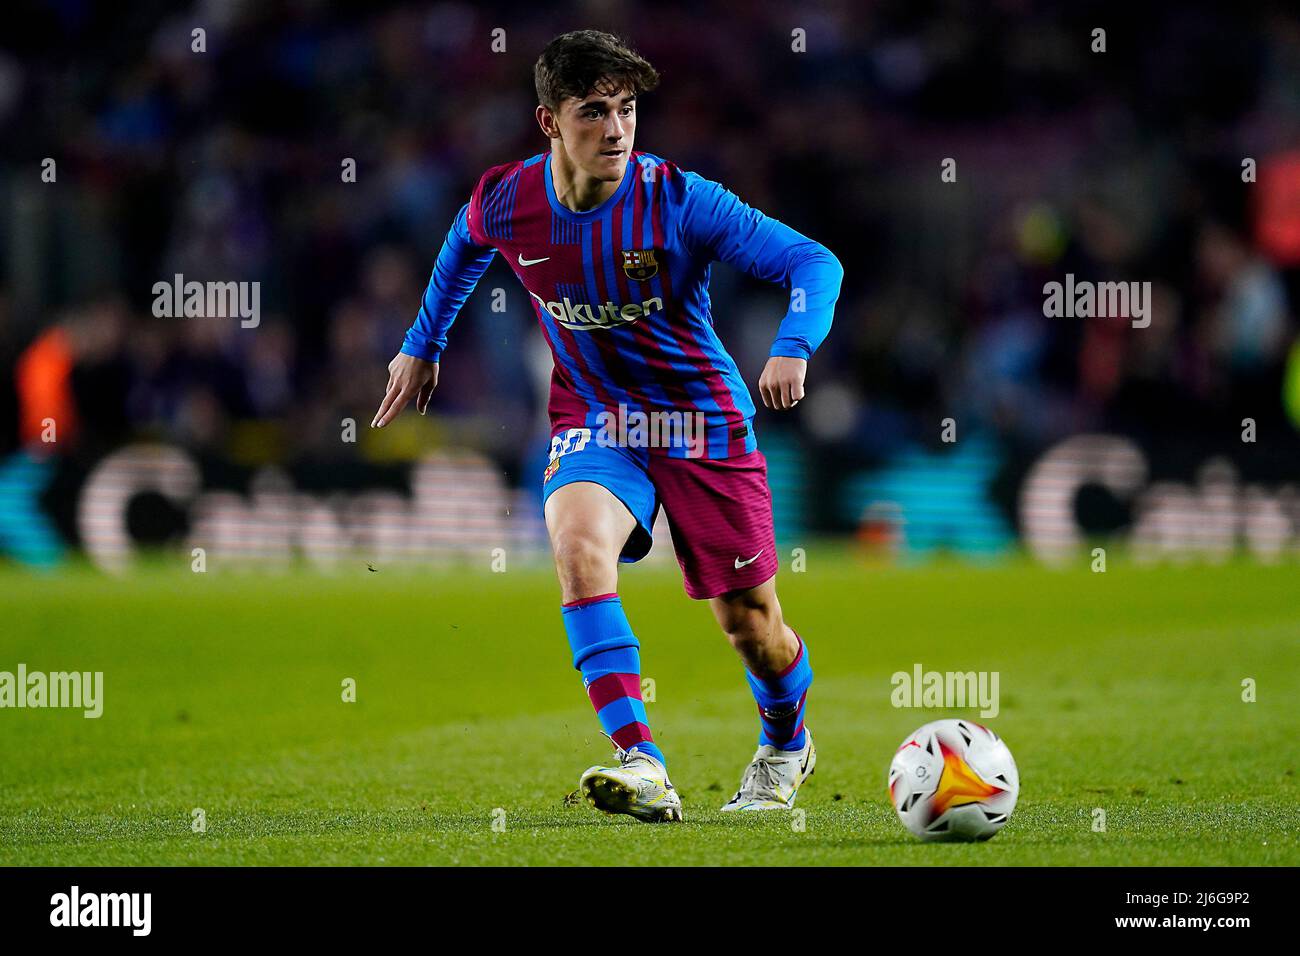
x=740 y=564
x=531 y=262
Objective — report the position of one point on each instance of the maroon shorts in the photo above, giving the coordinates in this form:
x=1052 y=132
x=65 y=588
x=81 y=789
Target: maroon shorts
x=720 y=515
x=719 y=510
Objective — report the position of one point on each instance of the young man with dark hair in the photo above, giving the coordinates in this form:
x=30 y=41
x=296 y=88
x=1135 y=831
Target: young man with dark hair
x=614 y=248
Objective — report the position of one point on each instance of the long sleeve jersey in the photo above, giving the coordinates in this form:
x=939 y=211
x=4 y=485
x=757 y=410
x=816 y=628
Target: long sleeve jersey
x=621 y=291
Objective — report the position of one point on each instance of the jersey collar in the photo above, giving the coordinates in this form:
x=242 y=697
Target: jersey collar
x=564 y=212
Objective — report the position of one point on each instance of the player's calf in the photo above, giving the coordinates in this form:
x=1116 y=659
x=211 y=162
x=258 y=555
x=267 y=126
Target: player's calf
x=779 y=673
x=752 y=620
x=588 y=527
x=776 y=661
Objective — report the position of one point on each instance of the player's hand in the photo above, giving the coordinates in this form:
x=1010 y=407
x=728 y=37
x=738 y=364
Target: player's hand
x=408 y=378
x=781 y=384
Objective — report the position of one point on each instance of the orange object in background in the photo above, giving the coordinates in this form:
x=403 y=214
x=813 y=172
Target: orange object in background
x=879 y=535
x=43 y=376
x=1277 y=209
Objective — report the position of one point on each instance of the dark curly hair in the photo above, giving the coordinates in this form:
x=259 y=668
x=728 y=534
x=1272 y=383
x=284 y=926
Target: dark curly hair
x=585 y=61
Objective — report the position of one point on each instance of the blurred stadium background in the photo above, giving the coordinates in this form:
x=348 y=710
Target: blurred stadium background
x=1127 y=165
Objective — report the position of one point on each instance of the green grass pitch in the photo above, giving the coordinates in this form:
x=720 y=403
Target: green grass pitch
x=1120 y=691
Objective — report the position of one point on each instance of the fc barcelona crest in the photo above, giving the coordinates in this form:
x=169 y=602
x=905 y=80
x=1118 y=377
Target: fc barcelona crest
x=640 y=264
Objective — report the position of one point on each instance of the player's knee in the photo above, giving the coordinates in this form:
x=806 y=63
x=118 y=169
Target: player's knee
x=585 y=564
x=749 y=625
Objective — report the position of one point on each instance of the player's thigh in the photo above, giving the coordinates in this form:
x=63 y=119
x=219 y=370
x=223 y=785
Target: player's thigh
x=597 y=497
x=584 y=511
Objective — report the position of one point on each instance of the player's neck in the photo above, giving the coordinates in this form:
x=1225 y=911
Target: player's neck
x=574 y=188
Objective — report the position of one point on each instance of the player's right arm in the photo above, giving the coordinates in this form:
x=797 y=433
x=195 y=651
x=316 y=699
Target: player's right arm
x=413 y=372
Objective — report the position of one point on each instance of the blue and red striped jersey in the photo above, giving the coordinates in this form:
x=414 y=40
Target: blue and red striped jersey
x=621 y=291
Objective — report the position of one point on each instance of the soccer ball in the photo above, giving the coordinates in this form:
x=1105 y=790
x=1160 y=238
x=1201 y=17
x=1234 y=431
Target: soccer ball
x=953 y=780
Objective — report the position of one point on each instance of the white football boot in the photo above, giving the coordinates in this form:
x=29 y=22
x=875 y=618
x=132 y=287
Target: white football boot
x=638 y=786
x=772 y=780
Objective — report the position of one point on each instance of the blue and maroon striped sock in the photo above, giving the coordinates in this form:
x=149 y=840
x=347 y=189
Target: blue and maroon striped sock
x=781 y=700
x=609 y=656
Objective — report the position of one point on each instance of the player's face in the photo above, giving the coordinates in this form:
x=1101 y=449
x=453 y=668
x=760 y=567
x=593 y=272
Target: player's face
x=597 y=131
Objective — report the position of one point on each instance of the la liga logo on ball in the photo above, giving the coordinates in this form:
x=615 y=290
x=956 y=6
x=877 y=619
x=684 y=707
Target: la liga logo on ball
x=953 y=780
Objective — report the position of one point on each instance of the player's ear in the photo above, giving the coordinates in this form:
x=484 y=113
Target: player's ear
x=547 y=121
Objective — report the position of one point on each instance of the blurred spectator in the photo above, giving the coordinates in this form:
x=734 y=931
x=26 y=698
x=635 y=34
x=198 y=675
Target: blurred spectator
x=230 y=165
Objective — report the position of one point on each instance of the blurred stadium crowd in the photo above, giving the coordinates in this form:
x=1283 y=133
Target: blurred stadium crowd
x=1124 y=165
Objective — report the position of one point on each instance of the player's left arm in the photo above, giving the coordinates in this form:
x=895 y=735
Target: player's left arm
x=716 y=222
